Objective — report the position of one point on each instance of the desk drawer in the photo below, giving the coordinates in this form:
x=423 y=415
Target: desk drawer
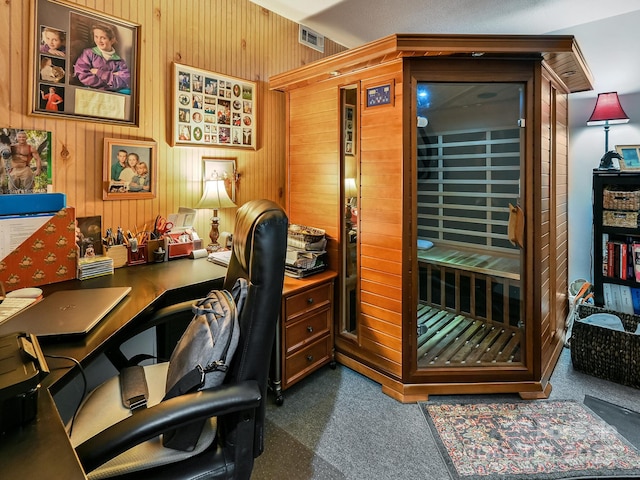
x=298 y=365
x=306 y=330
x=301 y=302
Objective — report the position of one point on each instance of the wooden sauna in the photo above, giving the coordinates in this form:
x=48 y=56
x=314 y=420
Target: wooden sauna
x=437 y=165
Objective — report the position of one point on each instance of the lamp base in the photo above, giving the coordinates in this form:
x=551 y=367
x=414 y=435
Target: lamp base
x=214 y=247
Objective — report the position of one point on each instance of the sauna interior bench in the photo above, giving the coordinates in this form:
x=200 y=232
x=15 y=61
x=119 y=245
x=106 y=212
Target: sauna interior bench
x=484 y=262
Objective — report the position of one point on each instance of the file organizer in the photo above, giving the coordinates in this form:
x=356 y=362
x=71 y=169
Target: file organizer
x=47 y=256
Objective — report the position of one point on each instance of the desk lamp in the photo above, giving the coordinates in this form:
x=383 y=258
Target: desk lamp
x=607 y=111
x=215 y=197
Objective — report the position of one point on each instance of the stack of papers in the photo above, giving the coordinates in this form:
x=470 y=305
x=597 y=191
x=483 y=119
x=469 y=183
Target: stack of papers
x=94 y=267
x=221 y=257
x=10 y=306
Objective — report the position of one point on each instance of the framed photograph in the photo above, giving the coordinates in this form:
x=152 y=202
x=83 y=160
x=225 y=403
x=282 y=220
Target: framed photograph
x=210 y=109
x=129 y=169
x=349 y=130
x=25 y=161
x=84 y=64
x=630 y=156
x=89 y=236
x=221 y=168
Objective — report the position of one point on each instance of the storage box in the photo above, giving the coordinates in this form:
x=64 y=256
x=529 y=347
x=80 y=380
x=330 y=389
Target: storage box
x=176 y=246
x=621 y=200
x=614 y=218
x=606 y=353
x=23 y=367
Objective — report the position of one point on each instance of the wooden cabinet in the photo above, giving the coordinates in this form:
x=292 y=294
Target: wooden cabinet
x=616 y=203
x=304 y=340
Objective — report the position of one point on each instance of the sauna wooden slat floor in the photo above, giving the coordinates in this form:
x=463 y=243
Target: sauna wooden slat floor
x=451 y=339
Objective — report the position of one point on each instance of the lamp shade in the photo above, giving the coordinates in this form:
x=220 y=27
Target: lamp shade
x=608 y=110
x=215 y=196
x=350 y=190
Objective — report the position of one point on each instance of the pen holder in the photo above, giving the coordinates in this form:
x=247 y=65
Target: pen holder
x=120 y=255
x=136 y=254
x=156 y=251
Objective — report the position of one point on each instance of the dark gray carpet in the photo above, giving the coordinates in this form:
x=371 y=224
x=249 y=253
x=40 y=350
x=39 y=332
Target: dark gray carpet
x=337 y=424
x=285 y=458
x=626 y=421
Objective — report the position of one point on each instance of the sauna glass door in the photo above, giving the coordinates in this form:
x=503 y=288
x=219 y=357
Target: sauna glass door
x=469 y=158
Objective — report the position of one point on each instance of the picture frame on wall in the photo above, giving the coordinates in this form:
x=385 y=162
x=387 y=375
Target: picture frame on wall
x=217 y=168
x=129 y=169
x=630 y=156
x=25 y=148
x=211 y=109
x=349 y=130
x=74 y=77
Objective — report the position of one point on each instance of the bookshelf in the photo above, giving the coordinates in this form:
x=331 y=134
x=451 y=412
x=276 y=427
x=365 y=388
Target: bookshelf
x=616 y=240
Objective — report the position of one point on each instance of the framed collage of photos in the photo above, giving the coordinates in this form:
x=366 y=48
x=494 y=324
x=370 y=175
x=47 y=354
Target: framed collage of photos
x=84 y=64
x=210 y=109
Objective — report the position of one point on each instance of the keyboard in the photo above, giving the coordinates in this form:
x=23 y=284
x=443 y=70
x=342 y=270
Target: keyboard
x=11 y=306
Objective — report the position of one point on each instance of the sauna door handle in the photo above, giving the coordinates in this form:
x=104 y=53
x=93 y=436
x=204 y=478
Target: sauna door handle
x=516 y=225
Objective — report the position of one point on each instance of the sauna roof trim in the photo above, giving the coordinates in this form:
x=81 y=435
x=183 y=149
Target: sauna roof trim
x=560 y=52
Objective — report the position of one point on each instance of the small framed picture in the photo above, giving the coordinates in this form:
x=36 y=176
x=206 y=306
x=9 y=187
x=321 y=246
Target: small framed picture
x=349 y=130
x=129 y=169
x=630 y=156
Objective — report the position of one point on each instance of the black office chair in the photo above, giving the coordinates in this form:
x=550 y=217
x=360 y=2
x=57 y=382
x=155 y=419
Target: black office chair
x=233 y=436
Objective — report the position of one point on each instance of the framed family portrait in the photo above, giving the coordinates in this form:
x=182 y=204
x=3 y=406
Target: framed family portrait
x=215 y=168
x=84 y=64
x=210 y=109
x=630 y=156
x=129 y=169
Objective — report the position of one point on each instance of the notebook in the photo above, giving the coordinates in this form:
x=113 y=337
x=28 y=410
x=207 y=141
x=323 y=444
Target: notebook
x=66 y=312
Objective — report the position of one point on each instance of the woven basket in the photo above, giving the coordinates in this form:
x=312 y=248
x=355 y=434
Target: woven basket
x=618 y=200
x=615 y=218
x=306 y=238
x=605 y=353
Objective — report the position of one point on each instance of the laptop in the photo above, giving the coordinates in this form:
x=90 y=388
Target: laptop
x=66 y=312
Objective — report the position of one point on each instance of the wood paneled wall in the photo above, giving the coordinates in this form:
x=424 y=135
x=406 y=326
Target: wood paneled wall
x=231 y=37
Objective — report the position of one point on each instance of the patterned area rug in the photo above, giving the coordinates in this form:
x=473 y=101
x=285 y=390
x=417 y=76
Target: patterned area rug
x=532 y=440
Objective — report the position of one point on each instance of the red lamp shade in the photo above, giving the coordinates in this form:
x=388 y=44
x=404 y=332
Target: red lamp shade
x=608 y=110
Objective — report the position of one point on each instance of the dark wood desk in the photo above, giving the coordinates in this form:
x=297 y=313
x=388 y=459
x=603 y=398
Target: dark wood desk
x=42 y=448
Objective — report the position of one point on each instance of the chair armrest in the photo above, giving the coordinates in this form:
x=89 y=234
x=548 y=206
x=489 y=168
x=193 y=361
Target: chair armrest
x=172 y=413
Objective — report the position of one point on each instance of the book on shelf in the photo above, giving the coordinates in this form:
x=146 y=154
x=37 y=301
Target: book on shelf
x=621 y=258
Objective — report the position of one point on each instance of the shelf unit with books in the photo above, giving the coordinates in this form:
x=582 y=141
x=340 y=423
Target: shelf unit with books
x=616 y=240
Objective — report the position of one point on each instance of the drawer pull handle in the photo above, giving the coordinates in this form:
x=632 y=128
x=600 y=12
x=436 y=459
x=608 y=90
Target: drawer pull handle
x=310 y=329
x=310 y=300
x=310 y=358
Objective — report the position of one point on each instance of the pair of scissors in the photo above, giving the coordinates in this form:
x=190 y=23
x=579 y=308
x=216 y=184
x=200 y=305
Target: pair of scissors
x=161 y=226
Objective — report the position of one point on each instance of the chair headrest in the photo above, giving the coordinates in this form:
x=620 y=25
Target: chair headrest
x=252 y=235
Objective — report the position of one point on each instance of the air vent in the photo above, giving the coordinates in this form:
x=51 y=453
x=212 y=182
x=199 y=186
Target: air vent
x=311 y=39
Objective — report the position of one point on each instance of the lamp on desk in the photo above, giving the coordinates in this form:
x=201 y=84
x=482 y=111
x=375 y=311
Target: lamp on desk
x=607 y=111
x=215 y=197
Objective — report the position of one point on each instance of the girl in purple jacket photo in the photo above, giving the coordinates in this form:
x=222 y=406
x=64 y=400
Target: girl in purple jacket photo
x=101 y=67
